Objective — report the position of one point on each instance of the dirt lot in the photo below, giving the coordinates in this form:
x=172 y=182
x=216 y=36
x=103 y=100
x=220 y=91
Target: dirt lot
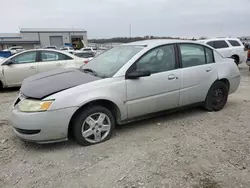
x=192 y=148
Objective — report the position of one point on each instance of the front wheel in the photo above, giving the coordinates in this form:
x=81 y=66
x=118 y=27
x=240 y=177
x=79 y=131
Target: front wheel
x=93 y=125
x=217 y=96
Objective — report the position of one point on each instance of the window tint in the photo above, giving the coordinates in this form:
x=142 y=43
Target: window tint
x=85 y=54
x=220 y=44
x=157 y=60
x=209 y=55
x=28 y=57
x=234 y=43
x=211 y=43
x=192 y=55
x=53 y=56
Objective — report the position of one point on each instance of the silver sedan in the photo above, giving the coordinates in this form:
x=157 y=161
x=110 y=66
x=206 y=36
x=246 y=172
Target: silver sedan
x=124 y=84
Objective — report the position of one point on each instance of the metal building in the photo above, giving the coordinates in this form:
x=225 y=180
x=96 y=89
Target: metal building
x=30 y=38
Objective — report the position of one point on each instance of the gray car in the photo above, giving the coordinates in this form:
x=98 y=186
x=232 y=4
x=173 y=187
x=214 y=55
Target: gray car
x=124 y=84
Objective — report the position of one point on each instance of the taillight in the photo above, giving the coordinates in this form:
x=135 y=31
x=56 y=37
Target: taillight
x=85 y=62
x=248 y=55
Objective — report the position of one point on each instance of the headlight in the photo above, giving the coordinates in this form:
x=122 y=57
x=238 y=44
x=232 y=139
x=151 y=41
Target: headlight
x=27 y=105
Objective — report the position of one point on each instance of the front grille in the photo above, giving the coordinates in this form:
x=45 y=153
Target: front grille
x=29 y=132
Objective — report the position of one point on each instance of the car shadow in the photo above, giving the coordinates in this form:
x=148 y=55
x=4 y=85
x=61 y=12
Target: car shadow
x=8 y=90
x=52 y=146
x=161 y=119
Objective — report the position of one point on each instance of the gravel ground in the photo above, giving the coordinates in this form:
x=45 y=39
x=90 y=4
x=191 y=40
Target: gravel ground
x=192 y=148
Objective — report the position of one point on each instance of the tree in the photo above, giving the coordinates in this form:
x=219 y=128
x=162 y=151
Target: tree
x=79 y=45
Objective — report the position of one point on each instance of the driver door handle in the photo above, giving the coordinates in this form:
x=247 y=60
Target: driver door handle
x=209 y=69
x=172 y=77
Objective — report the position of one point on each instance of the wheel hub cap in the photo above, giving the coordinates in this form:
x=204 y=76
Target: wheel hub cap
x=96 y=127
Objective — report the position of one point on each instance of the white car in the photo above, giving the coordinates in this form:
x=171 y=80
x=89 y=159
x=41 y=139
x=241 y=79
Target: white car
x=15 y=69
x=50 y=47
x=89 y=49
x=15 y=49
x=68 y=49
x=228 y=47
x=87 y=55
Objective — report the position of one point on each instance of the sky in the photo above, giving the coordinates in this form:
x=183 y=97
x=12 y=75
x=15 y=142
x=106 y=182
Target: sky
x=112 y=18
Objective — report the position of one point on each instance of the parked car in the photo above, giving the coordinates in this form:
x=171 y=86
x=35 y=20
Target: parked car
x=89 y=49
x=127 y=83
x=248 y=58
x=228 y=47
x=15 y=49
x=88 y=55
x=15 y=69
x=68 y=49
x=50 y=47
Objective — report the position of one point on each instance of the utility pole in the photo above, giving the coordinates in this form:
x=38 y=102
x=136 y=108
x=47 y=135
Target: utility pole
x=130 y=30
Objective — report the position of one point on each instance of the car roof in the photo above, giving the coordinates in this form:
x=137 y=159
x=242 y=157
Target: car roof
x=49 y=50
x=218 y=39
x=158 y=42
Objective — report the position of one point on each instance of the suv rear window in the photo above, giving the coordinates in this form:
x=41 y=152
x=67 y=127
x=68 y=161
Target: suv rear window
x=220 y=44
x=211 y=43
x=234 y=43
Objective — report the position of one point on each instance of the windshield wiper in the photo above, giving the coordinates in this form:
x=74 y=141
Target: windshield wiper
x=90 y=70
x=94 y=73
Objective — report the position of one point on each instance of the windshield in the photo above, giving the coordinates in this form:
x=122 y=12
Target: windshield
x=109 y=62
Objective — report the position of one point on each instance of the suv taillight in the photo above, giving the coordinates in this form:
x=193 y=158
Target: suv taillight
x=248 y=54
x=85 y=62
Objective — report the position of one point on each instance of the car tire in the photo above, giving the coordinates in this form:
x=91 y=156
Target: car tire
x=236 y=59
x=1 y=86
x=87 y=126
x=217 y=96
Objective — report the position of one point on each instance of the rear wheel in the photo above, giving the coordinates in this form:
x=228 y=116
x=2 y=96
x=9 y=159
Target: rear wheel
x=217 y=96
x=1 y=86
x=236 y=59
x=93 y=125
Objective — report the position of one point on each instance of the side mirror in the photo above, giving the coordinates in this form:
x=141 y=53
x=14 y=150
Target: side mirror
x=8 y=62
x=137 y=74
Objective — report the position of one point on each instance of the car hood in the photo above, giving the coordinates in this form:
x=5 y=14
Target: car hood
x=48 y=83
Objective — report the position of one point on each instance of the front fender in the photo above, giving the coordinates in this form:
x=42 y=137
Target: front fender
x=113 y=90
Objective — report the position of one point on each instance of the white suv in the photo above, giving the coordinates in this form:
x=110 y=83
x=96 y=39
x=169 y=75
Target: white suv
x=228 y=47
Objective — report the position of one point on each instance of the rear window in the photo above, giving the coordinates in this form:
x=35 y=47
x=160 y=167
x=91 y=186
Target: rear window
x=234 y=43
x=211 y=43
x=220 y=44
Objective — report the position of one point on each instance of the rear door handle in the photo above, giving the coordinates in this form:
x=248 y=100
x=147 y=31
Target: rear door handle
x=32 y=67
x=172 y=77
x=209 y=69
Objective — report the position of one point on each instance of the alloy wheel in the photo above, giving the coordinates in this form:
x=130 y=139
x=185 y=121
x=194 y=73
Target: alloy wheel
x=96 y=127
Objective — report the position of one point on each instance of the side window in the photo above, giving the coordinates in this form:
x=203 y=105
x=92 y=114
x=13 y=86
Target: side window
x=192 y=55
x=49 y=56
x=209 y=55
x=28 y=57
x=234 y=43
x=157 y=60
x=64 y=57
x=211 y=43
x=53 y=56
x=220 y=44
